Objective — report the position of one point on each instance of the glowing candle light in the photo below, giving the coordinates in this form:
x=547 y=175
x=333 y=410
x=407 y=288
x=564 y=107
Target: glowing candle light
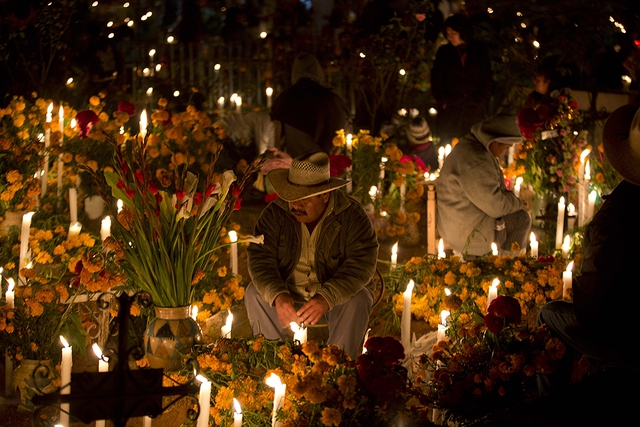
x=494 y=248
x=74 y=230
x=571 y=216
x=194 y=312
x=349 y=144
x=278 y=397
x=238 y=102
x=60 y=161
x=405 y=330
x=105 y=227
x=65 y=377
x=591 y=203
x=237 y=413
x=442 y=327
x=299 y=332
x=24 y=243
x=441 y=253
x=47 y=142
x=440 y=157
x=269 y=92
x=364 y=343
x=493 y=291
x=560 y=222
x=120 y=205
x=566 y=246
x=372 y=192
x=533 y=243
x=205 y=401
x=394 y=255
x=516 y=188
x=567 y=280
x=103 y=361
x=143 y=123
x=225 y=331
x=233 y=236
x=10 y=294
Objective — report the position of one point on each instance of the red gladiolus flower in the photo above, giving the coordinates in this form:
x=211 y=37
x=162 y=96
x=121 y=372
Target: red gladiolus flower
x=153 y=188
x=139 y=175
x=158 y=197
x=197 y=198
x=180 y=194
x=573 y=104
x=528 y=121
x=237 y=205
x=127 y=107
x=125 y=167
x=86 y=119
x=210 y=189
x=120 y=184
x=130 y=193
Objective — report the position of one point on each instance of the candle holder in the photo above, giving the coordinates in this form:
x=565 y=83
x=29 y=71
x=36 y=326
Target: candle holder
x=121 y=393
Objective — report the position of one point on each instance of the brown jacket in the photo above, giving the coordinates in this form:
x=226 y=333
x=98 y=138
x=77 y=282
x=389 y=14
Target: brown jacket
x=346 y=254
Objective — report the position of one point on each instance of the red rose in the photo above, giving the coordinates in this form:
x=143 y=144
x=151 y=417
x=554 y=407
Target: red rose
x=529 y=120
x=386 y=350
x=338 y=163
x=504 y=310
x=127 y=107
x=573 y=104
x=86 y=119
x=420 y=17
x=494 y=323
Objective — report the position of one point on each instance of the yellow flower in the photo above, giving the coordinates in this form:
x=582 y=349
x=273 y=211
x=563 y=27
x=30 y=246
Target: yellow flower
x=331 y=417
x=13 y=177
x=222 y=271
x=94 y=100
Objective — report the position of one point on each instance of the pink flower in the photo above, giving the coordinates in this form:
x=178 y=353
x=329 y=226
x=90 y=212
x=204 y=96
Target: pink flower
x=420 y=17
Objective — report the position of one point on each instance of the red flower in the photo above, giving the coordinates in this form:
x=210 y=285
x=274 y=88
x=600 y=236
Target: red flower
x=210 y=189
x=130 y=193
x=386 y=350
x=197 y=198
x=237 y=205
x=573 y=104
x=404 y=159
x=158 y=198
x=120 y=184
x=268 y=198
x=547 y=258
x=153 y=189
x=139 y=175
x=127 y=107
x=86 y=119
x=504 y=310
x=420 y=17
x=338 y=163
x=529 y=120
x=422 y=168
x=180 y=194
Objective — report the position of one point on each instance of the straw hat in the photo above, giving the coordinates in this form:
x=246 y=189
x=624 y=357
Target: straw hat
x=621 y=140
x=418 y=131
x=308 y=176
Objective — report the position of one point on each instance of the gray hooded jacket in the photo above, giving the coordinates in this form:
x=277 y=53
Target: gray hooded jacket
x=471 y=193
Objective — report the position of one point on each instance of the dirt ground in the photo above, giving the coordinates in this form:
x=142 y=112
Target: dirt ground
x=246 y=217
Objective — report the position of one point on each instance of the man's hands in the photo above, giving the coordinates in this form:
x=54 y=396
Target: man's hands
x=313 y=310
x=286 y=310
x=309 y=314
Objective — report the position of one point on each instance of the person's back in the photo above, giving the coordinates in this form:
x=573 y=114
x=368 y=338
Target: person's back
x=308 y=112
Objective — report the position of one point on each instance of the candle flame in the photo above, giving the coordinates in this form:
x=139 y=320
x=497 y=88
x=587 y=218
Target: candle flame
x=532 y=237
x=584 y=154
x=143 y=121
x=233 y=236
x=409 y=289
x=519 y=181
x=202 y=378
x=561 y=202
x=494 y=248
x=373 y=190
x=11 y=284
x=443 y=316
x=571 y=209
x=570 y=266
x=447 y=292
x=238 y=101
x=587 y=170
x=273 y=381
x=495 y=283
x=97 y=351
x=295 y=328
x=394 y=249
x=566 y=244
x=64 y=342
x=194 y=312
x=447 y=149
x=229 y=320
x=61 y=113
x=269 y=91
x=236 y=406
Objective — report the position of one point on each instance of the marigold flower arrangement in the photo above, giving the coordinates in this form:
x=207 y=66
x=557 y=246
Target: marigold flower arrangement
x=21 y=144
x=549 y=156
x=487 y=362
x=166 y=243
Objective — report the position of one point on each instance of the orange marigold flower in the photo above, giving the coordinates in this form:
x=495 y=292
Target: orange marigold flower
x=331 y=417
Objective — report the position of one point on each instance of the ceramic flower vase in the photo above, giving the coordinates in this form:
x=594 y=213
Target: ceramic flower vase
x=170 y=336
x=11 y=219
x=30 y=378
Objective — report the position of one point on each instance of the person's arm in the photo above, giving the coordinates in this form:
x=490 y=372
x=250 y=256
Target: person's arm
x=482 y=187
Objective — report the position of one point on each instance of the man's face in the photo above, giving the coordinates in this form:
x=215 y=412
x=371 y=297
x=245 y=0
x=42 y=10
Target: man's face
x=499 y=149
x=310 y=209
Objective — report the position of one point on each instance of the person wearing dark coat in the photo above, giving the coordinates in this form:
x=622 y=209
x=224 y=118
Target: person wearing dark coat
x=307 y=114
x=461 y=80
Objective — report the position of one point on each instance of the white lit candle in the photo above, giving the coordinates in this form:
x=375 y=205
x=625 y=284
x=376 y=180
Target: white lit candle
x=442 y=327
x=269 y=92
x=238 y=104
x=105 y=228
x=626 y=83
x=364 y=343
x=24 y=243
x=120 y=205
x=74 y=230
x=103 y=361
x=10 y=294
x=221 y=105
x=566 y=246
x=73 y=205
x=47 y=142
x=516 y=188
x=205 y=401
x=372 y=193
x=440 y=157
x=278 y=397
x=60 y=162
x=441 y=253
x=299 y=332
x=567 y=280
x=194 y=312
x=494 y=248
x=383 y=161
x=533 y=243
x=233 y=237
x=405 y=330
x=394 y=255
x=237 y=413
x=225 y=331
x=560 y=222
x=349 y=144
x=65 y=379
x=493 y=291
x=143 y=124
x=591 y=203
x=146 y=421
x=571 y=216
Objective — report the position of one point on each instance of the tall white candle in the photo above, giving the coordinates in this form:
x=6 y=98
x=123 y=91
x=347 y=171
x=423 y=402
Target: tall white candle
x=24 y=243
x=47 y=143
x=194 y=312
x=237 y=413
x=221 y=105
x=349 y=186
x=383 y=162
x=299 y=332
x=349 y=144
x=566 y=246
x=10 y=294
x=278 y=397
x=143 y=123
x=394 y=255
x=105 y=228
x=233 y=236
x=560 y=222
x=73 y=205
x=534 y=245
x=65 y=379
x=516 y=188
x=442 y=327
x=493 y=291
x=205 y=401
x=269 y=92
x=441 y=253
x=146 y=421
x=103 y=366
x=494 y=248
x=591 y=204
x=225 y=331
x=571 y=216
x=405 y=331
x=567 y=280
x=583 y=192
x=440 y=157
x=238 y=104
